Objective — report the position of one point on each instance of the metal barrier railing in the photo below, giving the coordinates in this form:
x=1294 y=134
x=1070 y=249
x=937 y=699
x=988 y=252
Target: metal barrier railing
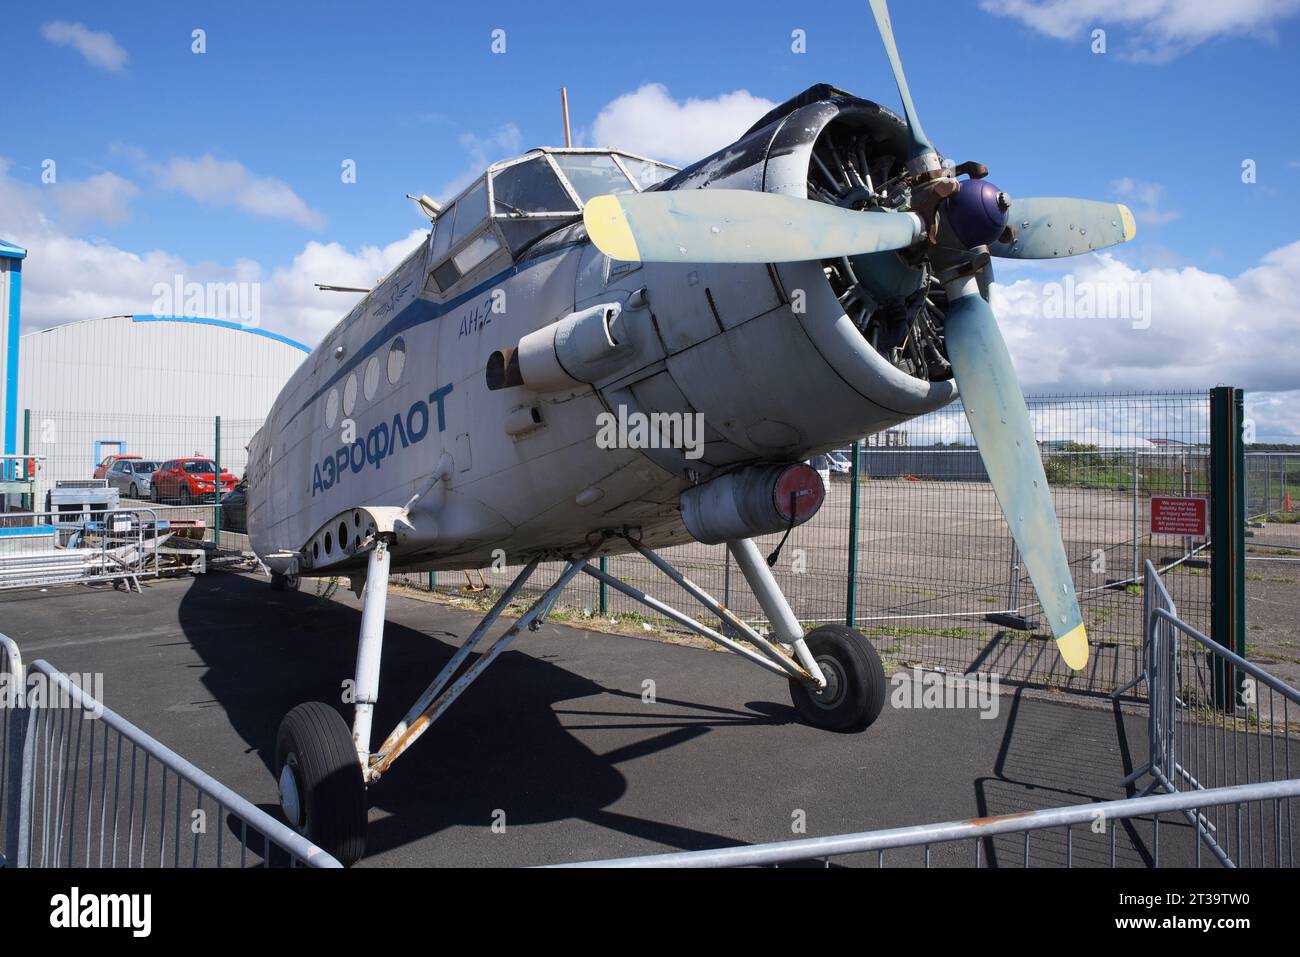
x=1080 y=820
x=87 y=788
x=1215 y=718
x=11 y=674
x=109 y=545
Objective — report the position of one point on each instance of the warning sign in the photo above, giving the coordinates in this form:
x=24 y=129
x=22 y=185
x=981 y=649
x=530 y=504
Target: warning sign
x=1174 y=515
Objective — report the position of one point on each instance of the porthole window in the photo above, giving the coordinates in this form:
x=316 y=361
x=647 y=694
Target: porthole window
x=396 y=359
x=350 y=394
x=329 y=543
x=331 y=408
x=343 y=535
x=371 y=383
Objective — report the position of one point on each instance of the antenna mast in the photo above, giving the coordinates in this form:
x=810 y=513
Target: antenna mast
x=564 y=106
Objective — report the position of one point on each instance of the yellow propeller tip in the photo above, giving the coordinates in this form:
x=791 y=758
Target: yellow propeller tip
x=608 y=228
x=1073 y=646
x=1130 y=224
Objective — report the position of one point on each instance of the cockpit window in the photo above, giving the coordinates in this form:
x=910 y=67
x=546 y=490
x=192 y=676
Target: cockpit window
x=442 y=230
x=593 y=174
x=530 y=187
x=645 y=173
x=471 y=210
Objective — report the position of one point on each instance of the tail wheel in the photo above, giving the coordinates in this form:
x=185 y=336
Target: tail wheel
x=855 y=681
x=284 y=582
x=322 y=791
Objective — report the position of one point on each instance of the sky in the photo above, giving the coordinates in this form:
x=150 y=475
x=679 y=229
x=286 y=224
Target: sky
x=127 y=158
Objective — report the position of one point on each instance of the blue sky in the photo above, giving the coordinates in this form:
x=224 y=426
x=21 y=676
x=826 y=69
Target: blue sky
x=228 y=163
x=396 y=85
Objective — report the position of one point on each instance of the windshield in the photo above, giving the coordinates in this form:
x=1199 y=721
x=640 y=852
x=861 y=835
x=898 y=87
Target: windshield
x=593 y=174
x=139 y=467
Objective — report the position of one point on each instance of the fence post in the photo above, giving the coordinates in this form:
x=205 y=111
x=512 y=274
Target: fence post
x=851 y=596
x=216 y=488
x=29 y=471
x=603 y=605
x=1137 y=518
x=1228 y=538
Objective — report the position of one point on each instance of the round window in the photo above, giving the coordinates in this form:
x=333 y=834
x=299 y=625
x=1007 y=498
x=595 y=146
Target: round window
x=350 y=394
x=371 y=382
x=331 y=408
x=396 y=359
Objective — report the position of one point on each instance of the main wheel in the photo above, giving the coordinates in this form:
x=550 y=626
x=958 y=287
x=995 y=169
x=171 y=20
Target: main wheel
x=135 y=491
x=185 y=495
x=322 y=791
x=855 y=681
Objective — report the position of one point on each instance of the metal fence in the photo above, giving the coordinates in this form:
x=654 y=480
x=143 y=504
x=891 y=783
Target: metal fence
x=934 y=578
x=86 y=788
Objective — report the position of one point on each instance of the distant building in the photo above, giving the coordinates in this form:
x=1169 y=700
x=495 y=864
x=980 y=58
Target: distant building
x=888 y=439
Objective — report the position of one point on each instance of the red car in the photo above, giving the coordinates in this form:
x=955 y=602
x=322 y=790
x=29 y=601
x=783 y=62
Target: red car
x=101 y=470
x=182 y=481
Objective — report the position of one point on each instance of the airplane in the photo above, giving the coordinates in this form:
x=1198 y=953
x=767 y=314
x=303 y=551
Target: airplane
x=527 y=381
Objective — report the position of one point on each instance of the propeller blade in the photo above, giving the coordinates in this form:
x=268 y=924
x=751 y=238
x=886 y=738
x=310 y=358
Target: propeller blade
x=1052 y=227
x=1000 y=423
x=738 y=226
x=920 y=144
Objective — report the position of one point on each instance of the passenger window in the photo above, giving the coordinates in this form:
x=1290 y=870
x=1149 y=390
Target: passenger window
x=472 y=211
x=530 y=187
x=593 y=174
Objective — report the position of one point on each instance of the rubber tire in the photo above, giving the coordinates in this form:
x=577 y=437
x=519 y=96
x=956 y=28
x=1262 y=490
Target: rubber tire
x=285 y=582
x=853 y=658
x=134 y=491
x=185 y=497
x=328 y=775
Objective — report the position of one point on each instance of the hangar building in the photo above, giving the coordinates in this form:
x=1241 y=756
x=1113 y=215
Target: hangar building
x=145 y=385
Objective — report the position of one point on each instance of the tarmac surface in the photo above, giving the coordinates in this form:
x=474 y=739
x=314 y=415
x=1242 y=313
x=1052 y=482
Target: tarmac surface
x=556 y=742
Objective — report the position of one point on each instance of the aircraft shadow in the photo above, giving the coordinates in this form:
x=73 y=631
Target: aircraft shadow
x=500 y=746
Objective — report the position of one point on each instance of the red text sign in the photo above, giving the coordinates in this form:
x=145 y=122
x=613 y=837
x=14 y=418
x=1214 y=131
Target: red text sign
x=1174 y=515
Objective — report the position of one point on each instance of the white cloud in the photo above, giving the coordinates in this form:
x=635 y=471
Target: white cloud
x=104 y=197
x=66 y=278
x=1148 y=30
x=99 y=48
x=229 y=183
x=650 y=122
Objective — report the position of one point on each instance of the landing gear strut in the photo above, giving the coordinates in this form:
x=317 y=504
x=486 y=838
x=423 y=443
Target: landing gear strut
x=836 y=681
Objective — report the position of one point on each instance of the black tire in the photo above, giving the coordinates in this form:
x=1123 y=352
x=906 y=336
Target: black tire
x=135 y=491
x=284 y=582
x=856 y=687
x=185 y=495
x=314 y=749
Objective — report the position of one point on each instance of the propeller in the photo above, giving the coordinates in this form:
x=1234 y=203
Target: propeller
x=738 y=226
x=961 y=223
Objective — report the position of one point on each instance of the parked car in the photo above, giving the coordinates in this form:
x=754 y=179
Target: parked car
x=101 y=470
x=841 y=463
x=234 y=508
x=189 y=480
x=822 y=464
x=132 y=476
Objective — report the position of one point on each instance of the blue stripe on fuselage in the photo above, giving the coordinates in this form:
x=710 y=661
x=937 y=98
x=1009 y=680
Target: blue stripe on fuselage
x=416 y=313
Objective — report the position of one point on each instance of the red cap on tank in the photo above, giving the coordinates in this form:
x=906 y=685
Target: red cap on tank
x=803 y=482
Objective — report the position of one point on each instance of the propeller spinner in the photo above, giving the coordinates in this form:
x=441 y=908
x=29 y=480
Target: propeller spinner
x=958 y=220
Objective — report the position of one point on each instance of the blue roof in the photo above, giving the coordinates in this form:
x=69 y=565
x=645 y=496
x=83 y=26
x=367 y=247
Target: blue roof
x=11 y=251
x=225 y=324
